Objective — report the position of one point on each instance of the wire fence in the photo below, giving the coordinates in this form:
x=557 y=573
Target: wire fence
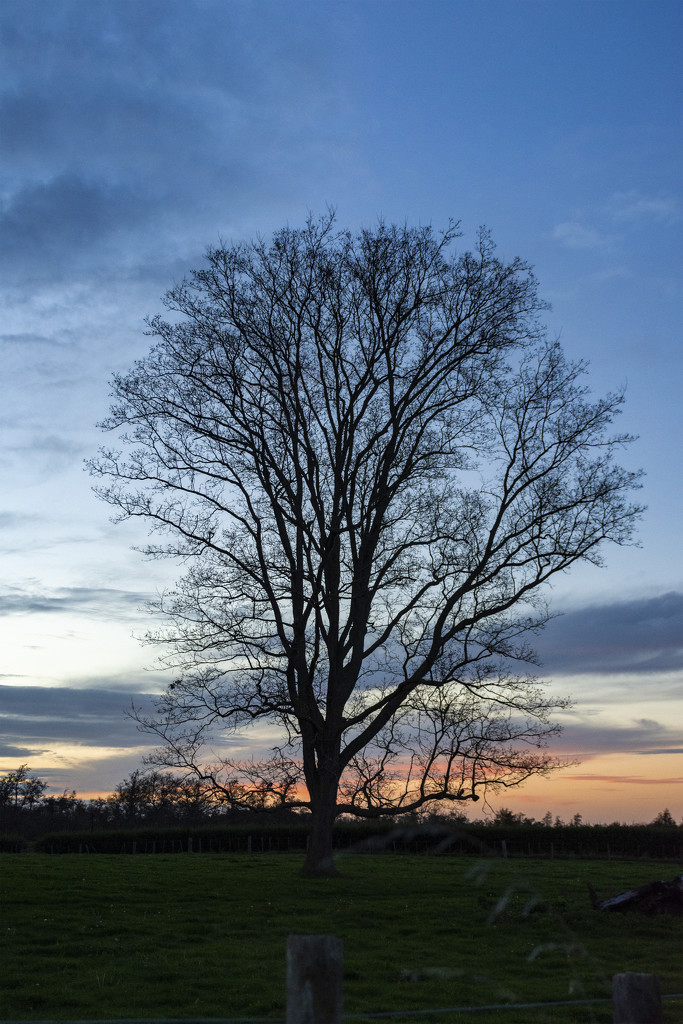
x=315 y=990
x=381 y=1015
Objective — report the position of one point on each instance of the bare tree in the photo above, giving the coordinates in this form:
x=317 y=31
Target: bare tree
x=159 y=795
x=371 y=459
x=18 y=788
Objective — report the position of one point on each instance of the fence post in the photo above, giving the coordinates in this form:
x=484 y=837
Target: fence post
x=636 y=999
x=314 y=979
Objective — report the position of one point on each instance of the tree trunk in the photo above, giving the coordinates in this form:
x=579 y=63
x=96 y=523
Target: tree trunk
x=320 y=855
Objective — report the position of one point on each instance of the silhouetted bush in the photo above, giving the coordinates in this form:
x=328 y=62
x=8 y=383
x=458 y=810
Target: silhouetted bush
x=581 y=841
x=12 y=843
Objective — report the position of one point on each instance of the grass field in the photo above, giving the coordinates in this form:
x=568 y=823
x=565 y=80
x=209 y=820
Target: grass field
x=204 y=936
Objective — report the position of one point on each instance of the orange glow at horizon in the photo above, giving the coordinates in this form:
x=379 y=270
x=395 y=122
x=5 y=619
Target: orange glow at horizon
x=609 y=787
x=604 y=788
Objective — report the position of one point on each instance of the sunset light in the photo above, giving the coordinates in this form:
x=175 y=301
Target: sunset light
x=127 y=151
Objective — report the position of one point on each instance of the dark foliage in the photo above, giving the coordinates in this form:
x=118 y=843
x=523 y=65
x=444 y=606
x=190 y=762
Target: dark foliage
x=465 y=839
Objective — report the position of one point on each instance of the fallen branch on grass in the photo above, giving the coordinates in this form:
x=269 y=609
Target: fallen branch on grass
x=653 y=898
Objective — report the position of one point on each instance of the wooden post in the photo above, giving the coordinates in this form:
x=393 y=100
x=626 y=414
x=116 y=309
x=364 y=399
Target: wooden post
x=636 y=999
x=314 y=979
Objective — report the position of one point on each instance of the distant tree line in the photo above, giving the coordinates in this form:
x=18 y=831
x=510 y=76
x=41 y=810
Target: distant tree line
x=150 y=798
x=507 y=817
x=160 y=800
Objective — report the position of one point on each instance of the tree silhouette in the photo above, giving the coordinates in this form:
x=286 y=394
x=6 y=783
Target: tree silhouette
x=18 y=788
x=371 y=459
x=664 y=817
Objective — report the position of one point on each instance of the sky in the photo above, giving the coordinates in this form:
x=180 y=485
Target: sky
x=135 y=135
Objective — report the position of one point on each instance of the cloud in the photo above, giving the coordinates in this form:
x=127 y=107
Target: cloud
x=15 y=520
x=10 y=750
x=664 y=750
x=634 y=206
x=38 y=716
x=624 y=211
x=27 y=338
x=59 y=451
x=574 y=235
x=130 y=131
x=96 y=602
x=640 y=636
x=585 y=738
x=63 y=218
x=638 y=780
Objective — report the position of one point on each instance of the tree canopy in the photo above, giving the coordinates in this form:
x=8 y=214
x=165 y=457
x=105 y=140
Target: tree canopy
x=371 y=460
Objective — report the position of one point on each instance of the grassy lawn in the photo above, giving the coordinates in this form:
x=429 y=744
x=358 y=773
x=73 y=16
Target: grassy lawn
x=179 y=936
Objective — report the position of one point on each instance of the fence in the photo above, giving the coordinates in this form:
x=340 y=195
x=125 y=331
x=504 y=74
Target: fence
x=315 y=990
x=589 y=841
x=315 y=995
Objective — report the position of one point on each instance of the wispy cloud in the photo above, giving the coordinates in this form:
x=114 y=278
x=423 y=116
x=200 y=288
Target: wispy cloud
x=586 y=738
x=636 y=780
x=606 y=226
x=639 y=636
x=575 y=235
x=27 y=338
x=94 y=602
x=16 y=520
x=44 y=222
x=11 y=750
x=625 y=207
x=59 y=450
x=36 y=717
x=92 y=161
x=37 y=720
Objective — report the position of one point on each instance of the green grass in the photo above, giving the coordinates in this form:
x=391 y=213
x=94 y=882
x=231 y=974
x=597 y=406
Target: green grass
x=176 y=936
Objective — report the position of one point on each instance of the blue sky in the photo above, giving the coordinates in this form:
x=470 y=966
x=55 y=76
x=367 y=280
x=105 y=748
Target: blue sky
x=136 y=134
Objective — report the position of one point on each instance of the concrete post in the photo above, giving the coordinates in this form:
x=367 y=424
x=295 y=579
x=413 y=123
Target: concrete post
x=636 y=999
x=314 y=979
